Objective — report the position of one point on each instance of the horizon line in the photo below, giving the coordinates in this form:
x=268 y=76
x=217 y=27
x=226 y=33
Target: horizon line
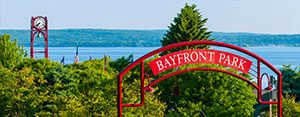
x=151 y=30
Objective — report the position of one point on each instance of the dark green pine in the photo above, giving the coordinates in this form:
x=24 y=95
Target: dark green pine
x=187 y=26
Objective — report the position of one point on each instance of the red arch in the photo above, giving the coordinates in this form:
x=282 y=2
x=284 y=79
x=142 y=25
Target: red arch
x=202 y=69
x=221 y=44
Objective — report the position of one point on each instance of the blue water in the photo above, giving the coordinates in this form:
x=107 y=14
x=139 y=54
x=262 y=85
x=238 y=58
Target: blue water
x=277 y=56
x=57 y=53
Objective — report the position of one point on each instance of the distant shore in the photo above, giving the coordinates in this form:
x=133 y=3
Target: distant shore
x=145 y=38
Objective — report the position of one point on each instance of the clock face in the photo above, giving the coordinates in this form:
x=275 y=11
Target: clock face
x=39 y=22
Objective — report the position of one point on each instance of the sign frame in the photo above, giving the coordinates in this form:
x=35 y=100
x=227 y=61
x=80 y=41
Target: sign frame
x=200 y=56
x=257 y=59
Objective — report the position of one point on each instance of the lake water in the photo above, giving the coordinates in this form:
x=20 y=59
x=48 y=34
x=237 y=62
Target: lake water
x=57 y=53
x=275 y=55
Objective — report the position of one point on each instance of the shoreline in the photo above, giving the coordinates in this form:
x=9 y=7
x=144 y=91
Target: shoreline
x=157 y=46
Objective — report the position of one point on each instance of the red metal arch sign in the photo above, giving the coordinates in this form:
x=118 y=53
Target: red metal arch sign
x=203 y=56
x=200 y=56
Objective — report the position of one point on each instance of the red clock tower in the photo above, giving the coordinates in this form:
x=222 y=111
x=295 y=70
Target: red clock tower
x=39 y=26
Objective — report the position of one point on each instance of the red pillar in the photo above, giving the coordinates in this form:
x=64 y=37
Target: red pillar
x=31 y=38
x=119 y=103
x=279 y=94
x=46 y=38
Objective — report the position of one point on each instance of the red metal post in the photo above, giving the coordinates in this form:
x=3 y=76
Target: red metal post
x=46 y=38
x=142 y=89
x=31 y=38
x=258 y=82
x=279 y=95
x=119 y=103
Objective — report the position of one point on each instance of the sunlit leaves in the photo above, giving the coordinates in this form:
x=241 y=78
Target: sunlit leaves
x=11 y=54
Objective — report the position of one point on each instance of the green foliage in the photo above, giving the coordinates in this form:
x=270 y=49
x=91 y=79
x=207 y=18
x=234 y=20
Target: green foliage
x=291 y=89
x=29 y=92
x=5 y=88
x=212 y=93
x=291 y=108
x=46 y=88
x=152 y=107
x=198 y=93
x=291 y=81
x=93 y=87
x=10 y=53
x=121 y=63
x=187 y=26
x=31 y=87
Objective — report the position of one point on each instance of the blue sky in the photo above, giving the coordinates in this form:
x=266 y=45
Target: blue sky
x=258 y=16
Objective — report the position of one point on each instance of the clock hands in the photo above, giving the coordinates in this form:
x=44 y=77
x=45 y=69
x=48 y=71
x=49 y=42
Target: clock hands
x=38 y=24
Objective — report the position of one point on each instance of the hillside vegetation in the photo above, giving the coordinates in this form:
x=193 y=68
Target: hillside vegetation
x=142 y=38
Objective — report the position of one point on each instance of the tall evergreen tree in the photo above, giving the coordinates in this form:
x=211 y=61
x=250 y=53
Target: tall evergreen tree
x=187 y=26
x=10 y=53
x=201 y=93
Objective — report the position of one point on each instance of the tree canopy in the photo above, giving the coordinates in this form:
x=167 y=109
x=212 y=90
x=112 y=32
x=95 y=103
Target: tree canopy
x=10 y=53
x=46 y=88
x=211 y=93
x=197 y=93
x=187 y=26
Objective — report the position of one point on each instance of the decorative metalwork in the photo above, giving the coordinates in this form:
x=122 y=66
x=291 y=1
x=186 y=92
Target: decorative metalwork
x=257 y=86
x=149 y=88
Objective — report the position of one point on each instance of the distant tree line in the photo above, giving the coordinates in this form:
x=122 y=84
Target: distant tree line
x=143 y=38
x=250 y=39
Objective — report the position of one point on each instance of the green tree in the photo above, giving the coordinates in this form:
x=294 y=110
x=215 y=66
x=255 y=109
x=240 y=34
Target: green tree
x=10 y=53
x=290 y=108
x=212 y=93
x=97 y=91
x=6 y=82
x=187 y=26
x=121 y=63
x=46 y=88
x=195 y=93
x=29 y=92
x=291 y=81
x=291 y=89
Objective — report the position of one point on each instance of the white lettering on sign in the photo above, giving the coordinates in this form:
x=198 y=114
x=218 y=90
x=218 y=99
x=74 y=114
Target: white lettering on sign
x=159 y=65
x=200 y=56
